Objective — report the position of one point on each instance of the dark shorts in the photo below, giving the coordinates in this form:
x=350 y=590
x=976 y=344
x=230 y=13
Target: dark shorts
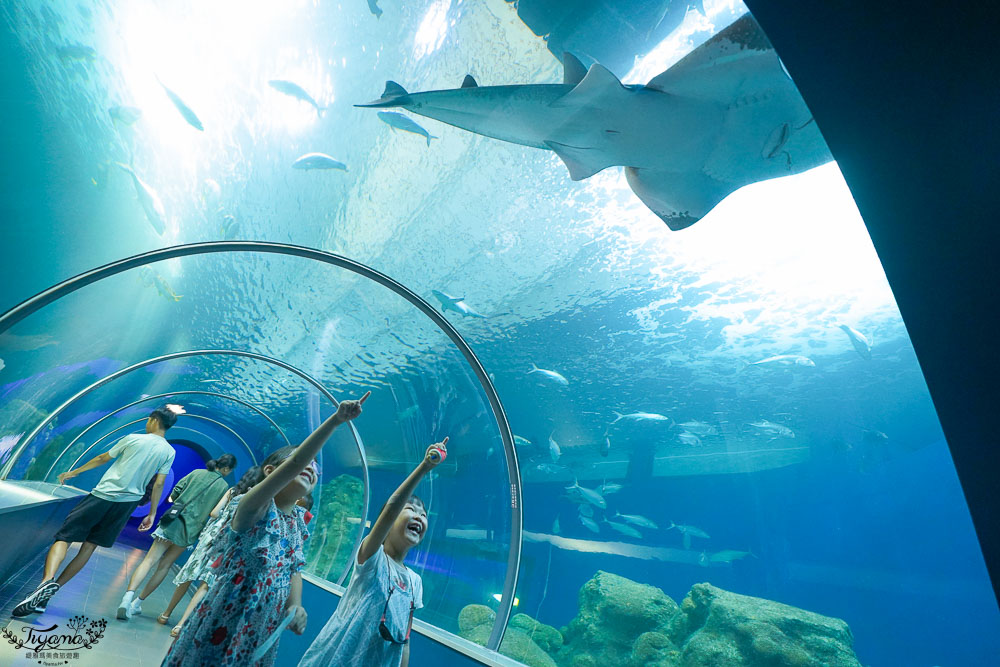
x=96 y=520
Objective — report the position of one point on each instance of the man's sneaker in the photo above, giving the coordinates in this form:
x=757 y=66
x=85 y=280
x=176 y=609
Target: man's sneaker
x=125 y=608
x=135 y=608
x=37 y=600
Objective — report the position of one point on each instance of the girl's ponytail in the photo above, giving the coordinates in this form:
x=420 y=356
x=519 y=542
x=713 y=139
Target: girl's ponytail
x=227 y=461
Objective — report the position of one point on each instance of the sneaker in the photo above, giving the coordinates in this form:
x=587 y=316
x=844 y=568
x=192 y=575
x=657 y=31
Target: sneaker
x=125 y=607
x=37 y=600
x=135 y=608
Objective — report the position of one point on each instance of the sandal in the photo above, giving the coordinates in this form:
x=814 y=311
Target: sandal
x=163 y=619
x=175 y=631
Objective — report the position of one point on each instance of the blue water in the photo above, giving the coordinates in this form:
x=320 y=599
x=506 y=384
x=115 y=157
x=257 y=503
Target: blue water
x=577 y=277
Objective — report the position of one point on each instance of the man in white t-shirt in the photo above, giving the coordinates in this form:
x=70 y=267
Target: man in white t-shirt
x=100 y=517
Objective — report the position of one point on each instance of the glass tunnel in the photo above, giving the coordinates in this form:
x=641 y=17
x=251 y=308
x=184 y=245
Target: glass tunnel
x=686 y=423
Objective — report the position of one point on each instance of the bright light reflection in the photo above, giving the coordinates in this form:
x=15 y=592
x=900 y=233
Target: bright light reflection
x=431 y=33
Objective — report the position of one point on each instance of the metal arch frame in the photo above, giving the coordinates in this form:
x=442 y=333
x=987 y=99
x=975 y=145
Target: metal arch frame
x=171 y=393
x=42 y=299
x=192 y=353
x=136 y=421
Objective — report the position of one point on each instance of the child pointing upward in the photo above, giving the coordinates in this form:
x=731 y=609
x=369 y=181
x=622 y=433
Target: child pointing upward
x=371 y=626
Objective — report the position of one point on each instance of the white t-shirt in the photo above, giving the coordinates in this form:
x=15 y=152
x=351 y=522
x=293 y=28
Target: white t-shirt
x=137 y=458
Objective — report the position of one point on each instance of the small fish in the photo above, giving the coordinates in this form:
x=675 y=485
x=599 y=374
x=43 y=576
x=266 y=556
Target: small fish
x=640 y=416
x=772 y=429
x=454 y=303
x=125 y=115
x=374 y=8
x=230 y=227
x=2 y=365
x=411 y=411
x=688 y=532
x=186 y=112
x=586 y=510
x=398 y=121
x=554 y=451
x=549 y=375
x=624 y=529
x=871 y=437
x=555 y=526
x=590 y=524
x=699 y=428
x=862 y=344
x=610 y=487
x=79 y=52
x=606 y=445
x=149 y=200
x=728 y=556
x=318 y=161
x=636 y=520
x=549 y=468
x=296 y=91
x=521 y=442
x=689 y=439
x=589 y=495
x=786 y=360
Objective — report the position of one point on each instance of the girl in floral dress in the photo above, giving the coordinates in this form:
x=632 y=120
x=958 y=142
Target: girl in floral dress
x=199 y=566
x=258 y=577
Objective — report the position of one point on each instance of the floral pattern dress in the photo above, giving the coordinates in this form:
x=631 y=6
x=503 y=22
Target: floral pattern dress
x=199 y=565
x=247 y=601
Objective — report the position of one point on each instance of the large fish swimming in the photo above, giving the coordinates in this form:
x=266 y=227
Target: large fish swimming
x=785 y=360
x=862 y=344
x=772 y=429
x=698 y=428
x=318 y=161
x=640 y=417
x=296 y=91
x=552 y=376
x=554 y=451
x=588 y=495
x=688 y=532
x=398 y=121
x=454 y=303
x=149 y=200
x=624 y=529
x=189 y=115
x=724 y=116
x=636 y=520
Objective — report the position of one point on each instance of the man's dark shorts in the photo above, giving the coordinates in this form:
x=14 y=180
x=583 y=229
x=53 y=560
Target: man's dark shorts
x=96 y=520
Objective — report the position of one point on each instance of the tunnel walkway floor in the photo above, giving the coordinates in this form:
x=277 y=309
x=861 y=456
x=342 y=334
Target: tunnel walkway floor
x=94 y=593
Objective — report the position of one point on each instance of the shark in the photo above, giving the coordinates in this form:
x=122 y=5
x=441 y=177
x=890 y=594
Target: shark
x=293 y=89
x=454 y=303
x=150 y=201
x=724 y=116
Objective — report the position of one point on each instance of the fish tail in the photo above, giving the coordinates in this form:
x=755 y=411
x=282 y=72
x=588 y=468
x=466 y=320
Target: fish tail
x=533 y=367
x=618 y=415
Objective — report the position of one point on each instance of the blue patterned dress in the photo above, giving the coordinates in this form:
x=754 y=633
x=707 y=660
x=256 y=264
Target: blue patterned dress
x=247 y=601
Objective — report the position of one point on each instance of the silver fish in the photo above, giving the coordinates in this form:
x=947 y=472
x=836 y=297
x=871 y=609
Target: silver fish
x=554 y=451
x=549 y=375
x=555 y=526
x=862 y=344
x=772 y=429
x=688 y=532
x=151 y=204
x=590 y=524
x=624 y=529
x=699 y=428
x=636 y=520
x=610 y=487
x=728 y=556
x=785 y=360
x=606 y=446
x=125 y=115
x=454 y=303
x=521 y=442
x=549 y=468
x=318 y=161
x=295 y=90
x=689 y=439
x=184 y=109
x=398 y=121
x=641 y=416
x=589 y=495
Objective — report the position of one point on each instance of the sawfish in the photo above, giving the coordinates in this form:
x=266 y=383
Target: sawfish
x=724 y=116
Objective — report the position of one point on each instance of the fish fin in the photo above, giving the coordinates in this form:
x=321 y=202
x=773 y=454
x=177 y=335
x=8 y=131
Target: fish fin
x=687 y=541
x=469 y=82
x=394 y=95
x=573 y=69
x=598 y=88
x=579 y=161
x=736 y=61
x=680 y=199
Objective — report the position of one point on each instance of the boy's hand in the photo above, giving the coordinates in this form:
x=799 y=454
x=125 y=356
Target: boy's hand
x=63 y=476
x=298 y=623
x=147 y=523
x=348 y=410
x=436 y=453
